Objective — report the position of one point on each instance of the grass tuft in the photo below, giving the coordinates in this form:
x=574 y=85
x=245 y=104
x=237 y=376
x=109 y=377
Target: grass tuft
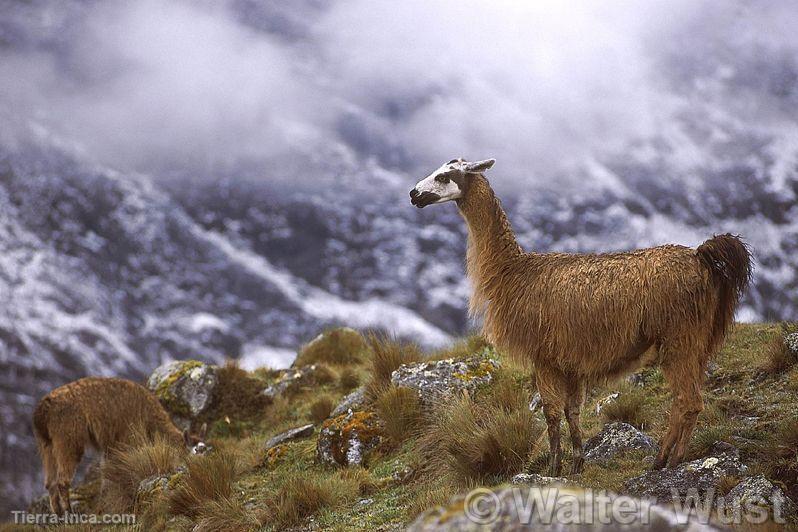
x=236 y=397
x=301 y=497
x=485 y=439
x=320 y=409
x=629 y=407
x=780 y=357
x=400 y=411
x=225 y=514
x=386 y=356
x=208 y=478
x=337 y=347
x=471 y=345
x=704 y=438
x=126 y=466
x=348 y=379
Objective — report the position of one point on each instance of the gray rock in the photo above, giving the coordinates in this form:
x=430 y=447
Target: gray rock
x=637 y=379
x=536 y=402
x=702 y=475
x=533 y=479
x=184 y=387
x=441 y=379
x=615 y=439
x=291 y=434
x=290 y=378
x=348 y=439
x=791 y=342
x=353 y=401
x=513 y=508
x=601 y=403
x=158 y=483
x=759 y=491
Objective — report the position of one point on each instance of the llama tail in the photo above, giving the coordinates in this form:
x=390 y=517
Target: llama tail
x=729 y=262
x=40 y=417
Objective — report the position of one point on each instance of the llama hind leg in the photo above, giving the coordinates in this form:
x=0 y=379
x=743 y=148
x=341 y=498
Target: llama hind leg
x=573 y=405
x=551 y=386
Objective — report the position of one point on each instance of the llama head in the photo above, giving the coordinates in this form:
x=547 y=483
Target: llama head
x=447 y=183
x=196 y=442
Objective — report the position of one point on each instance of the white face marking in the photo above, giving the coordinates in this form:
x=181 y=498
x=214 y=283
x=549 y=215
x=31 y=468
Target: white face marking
x=445 y=188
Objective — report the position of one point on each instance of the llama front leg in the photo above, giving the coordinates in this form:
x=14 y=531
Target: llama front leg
x=50 y=476
x=67 y=457
x=551 y=386
x=684 y=378
x=573 y=406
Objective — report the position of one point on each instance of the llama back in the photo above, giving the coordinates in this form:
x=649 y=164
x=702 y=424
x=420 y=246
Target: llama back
x=109 y=410
x=585 y=308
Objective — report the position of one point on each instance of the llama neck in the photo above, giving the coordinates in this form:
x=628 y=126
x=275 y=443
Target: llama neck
x=491 y=242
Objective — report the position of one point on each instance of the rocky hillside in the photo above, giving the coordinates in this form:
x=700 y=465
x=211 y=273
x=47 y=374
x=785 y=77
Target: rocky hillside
x=374 y=434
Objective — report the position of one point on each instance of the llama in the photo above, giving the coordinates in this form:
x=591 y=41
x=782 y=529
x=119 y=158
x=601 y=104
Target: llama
x=581 y=318
x=98 y=412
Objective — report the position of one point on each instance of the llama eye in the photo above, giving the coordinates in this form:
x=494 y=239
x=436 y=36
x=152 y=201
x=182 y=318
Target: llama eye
x=441 y=179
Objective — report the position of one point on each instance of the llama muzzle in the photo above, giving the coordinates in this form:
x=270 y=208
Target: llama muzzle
x=422 y=199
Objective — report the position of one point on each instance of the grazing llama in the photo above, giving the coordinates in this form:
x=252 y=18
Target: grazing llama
x=580 y=318
x=101 y=413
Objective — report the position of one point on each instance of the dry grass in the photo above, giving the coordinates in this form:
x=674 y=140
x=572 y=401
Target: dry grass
x=324 y=375
x=320 y=409
x=336 y=346
x=486 y=439
x=348 y=379
x=629 y=407
x=704 y=438
x=209 y=477
x=430 y=496
x=301 y=497
x=785 y=444
x=400 y=411
x=470 y=345
x=386 y=356
x=779 y=356
x=225 y=514
x=128 y=465
x=236 y=396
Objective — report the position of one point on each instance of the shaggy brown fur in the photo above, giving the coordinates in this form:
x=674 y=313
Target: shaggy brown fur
x=97 y=412
x=584 y=317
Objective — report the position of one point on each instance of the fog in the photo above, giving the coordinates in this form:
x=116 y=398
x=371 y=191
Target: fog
x=202 y=88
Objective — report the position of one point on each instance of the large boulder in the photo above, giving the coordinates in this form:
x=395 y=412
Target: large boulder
x=513 y=508
x=353 y=401
x=761 y=492
x=615 y=439
x=441 y=379
x=348 y=439
x=700 y=477
x=184 y=388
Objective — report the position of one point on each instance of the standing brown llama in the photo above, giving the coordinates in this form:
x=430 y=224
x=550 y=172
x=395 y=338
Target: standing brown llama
x=98 y=412
x=584 y=317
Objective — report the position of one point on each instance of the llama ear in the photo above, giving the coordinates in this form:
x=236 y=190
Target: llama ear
x=186 y=438
x=203 y=431
x=479 y=166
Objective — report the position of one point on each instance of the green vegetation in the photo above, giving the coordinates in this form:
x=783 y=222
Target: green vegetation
x=427 y=456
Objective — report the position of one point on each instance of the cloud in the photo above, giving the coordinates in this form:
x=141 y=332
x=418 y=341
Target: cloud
x=203 y=88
